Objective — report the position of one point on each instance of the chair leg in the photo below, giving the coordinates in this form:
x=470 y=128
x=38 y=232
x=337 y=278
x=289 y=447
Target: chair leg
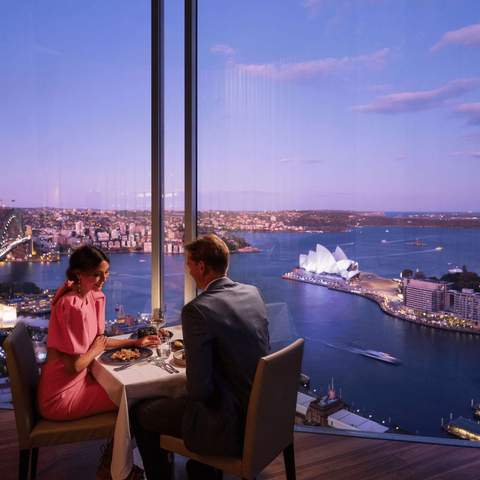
x=33 y=463
x=23 y=465
x=289 y=459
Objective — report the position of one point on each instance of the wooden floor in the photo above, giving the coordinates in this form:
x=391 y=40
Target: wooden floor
x=317 y=457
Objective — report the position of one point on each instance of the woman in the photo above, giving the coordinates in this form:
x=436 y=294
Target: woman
x=67 y=390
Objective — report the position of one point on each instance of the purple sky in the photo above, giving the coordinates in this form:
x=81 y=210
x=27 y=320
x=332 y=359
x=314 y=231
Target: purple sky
x=355 y=104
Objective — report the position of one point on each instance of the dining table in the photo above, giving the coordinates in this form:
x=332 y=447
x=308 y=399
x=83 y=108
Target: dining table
x=140 y=380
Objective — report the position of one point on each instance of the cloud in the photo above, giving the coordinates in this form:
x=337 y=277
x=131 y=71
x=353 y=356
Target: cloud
x=404 y=102
x=314 y=68
x=471 y=111
x=223 y=49
x=466 y=36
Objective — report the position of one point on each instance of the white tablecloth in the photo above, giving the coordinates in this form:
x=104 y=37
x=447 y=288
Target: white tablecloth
x=127 y=387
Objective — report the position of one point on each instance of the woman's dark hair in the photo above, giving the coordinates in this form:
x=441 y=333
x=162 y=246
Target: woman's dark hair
x=85 y=259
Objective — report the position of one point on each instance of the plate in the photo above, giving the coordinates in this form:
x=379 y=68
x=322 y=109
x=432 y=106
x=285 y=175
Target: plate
x=179 y=358
x=106 y=357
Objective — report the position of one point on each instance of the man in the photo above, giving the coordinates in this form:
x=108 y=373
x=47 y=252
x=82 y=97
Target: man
x=225 y=332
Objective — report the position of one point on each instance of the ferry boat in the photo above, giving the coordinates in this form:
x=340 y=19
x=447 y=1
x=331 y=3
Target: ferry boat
x=464 y=428
x=382 y=356
x=416 y=243
x=438 y=248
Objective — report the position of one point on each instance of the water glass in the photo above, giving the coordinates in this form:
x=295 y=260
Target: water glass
x=164 y=350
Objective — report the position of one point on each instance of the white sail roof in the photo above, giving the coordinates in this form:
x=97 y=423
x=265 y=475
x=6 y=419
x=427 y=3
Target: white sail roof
x=323 y=261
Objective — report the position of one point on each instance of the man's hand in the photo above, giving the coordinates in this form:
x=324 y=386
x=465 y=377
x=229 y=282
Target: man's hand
x=148 y=341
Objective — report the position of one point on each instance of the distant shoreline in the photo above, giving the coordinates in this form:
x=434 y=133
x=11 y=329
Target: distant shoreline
x=376 y=298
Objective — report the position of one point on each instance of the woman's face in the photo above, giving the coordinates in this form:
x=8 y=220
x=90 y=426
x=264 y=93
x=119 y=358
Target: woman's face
x=95 y=279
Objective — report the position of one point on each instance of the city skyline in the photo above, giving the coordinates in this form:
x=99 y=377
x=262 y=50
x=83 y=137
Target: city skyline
x=345 y=105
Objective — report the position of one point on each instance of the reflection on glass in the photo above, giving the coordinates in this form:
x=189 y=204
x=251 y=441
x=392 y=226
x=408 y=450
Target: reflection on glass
x=75 y=132
x=336 y=158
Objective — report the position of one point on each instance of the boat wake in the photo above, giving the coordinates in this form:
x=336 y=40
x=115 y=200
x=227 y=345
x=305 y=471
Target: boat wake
x=402 y=254
x=375 y=354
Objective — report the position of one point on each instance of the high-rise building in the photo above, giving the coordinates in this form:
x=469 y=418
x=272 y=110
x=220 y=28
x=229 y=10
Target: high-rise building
x=465 y=304
x=79 y=228
x=425 y=295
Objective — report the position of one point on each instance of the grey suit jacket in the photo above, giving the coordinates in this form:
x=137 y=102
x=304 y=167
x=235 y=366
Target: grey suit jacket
x=225 y=332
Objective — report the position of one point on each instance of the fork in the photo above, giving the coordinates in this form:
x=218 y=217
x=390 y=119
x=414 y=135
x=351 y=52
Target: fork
x=167 y=367
x=127 y=365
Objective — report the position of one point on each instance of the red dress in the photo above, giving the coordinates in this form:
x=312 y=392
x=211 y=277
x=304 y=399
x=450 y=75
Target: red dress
x=74 y=324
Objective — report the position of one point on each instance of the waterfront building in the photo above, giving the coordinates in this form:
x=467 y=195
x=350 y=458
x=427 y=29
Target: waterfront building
x=323 y=261
x=312 y=410
x=8 y=316
x=424 y=295
x=465 y=304
x=345 y=420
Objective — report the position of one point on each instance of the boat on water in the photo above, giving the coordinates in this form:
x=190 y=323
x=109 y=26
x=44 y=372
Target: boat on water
x=382 y=356
x=438 y=248
x=416 y=243
x=464 y=428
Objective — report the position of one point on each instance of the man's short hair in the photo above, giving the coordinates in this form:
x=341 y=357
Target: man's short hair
x=210 y=249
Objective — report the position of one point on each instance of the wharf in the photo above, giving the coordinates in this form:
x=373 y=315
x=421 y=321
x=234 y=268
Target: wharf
x=383 y=297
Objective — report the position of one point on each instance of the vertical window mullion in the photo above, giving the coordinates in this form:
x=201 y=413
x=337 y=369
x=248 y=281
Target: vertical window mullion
x=190 y=133
x=158 y=144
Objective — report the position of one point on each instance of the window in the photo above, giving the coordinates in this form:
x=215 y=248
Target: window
x=350 y=130
x=75 y=142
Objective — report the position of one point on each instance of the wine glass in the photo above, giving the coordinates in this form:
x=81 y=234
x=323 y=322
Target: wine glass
x=159 y=320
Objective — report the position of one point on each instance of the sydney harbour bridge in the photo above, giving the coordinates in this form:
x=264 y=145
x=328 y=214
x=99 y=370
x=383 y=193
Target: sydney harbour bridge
x=12 y=232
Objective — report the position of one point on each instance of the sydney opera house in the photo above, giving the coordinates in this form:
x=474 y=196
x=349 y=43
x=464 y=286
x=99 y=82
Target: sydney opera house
x=323 y=261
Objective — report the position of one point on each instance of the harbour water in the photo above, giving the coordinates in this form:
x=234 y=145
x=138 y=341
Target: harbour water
x=439 y=370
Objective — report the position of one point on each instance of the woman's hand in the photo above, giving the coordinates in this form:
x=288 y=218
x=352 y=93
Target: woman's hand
x=99 y=345
x=148 y=341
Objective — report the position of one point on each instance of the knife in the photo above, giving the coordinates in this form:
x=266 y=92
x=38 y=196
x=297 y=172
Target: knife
x=126 y=365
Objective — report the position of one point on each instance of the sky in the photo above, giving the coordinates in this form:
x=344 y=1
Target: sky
x=303 y=104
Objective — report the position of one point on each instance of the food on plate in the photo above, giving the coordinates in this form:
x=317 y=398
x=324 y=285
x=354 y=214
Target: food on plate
x=164 y=333
x=177 y=345
x=125 y=354
x=146 y=331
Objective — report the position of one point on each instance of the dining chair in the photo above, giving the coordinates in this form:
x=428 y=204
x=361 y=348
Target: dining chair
x=269 y=422
x=33 y=431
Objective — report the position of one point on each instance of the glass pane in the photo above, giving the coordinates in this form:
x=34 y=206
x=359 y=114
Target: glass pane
x=174 y=160
x=337 y=148
x=75 y=133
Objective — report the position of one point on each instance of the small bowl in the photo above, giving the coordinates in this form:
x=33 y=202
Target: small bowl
x=177 y=345
x=179 y=358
